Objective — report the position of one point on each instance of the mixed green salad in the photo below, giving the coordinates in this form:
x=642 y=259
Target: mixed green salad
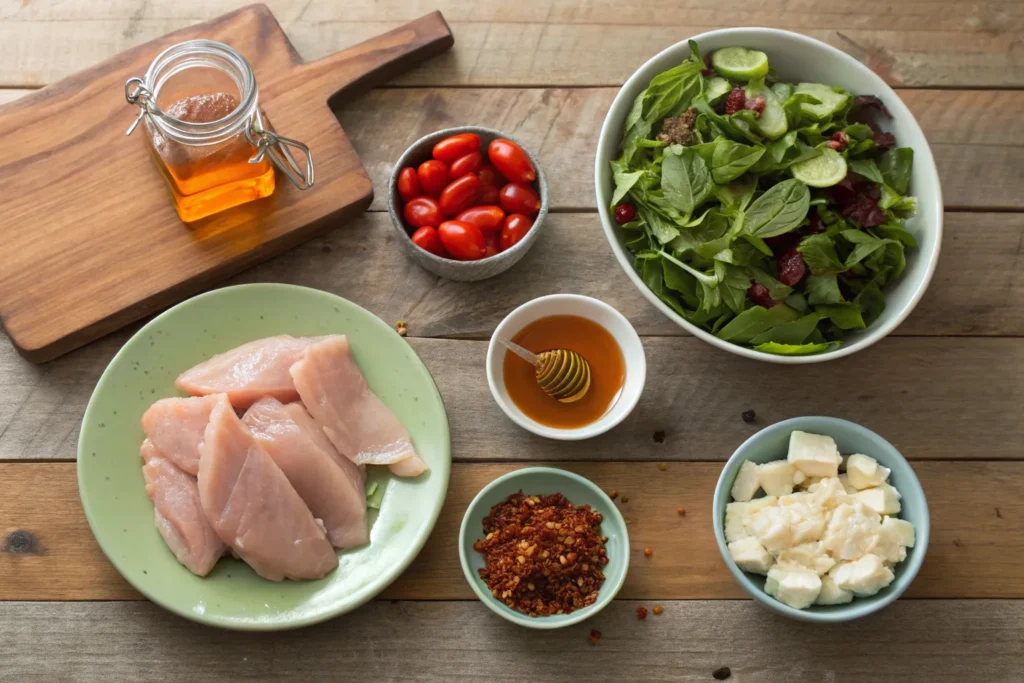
x=770 y=214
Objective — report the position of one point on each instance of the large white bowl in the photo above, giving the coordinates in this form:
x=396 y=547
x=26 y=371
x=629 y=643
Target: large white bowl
x=795 y=58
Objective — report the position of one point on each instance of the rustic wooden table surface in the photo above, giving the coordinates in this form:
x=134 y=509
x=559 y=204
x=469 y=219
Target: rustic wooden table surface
x=946 y=387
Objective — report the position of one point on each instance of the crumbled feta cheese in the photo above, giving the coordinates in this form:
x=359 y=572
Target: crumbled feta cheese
x=746 y=484
x=750 y=556
x=806 y=524
x=845 y=481
x=815 y=455
x=776 y=477
x=831 y=594
x=828 y=493
x=794 y=586
x=811 y=556
x=883 y=499
x=865 y=472
x=771 y=526
x=851 y=532
x=863 y=577
x=799 y=477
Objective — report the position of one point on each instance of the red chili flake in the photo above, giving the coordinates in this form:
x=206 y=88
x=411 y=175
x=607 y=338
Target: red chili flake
x=840 y=140
x=641 y=612
x=624 y=213
x=736 y=100
x=791 y=268
x=759 y=294
x=755 y=104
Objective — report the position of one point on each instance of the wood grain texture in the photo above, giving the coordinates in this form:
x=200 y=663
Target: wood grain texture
x=543 y=42
x=977 y=533
x=128 y=253
x=909 y=642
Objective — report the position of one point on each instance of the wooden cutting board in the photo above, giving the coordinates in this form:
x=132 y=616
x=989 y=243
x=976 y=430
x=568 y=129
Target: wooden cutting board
x=89 y=239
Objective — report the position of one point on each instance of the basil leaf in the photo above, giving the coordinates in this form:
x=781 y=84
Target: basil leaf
x=895 y=165
x=822 y=289
x=776 y=290
x=820 y=255
x=845 y=316
x=738 y=193
x=796 y=350
x=733 y=285
x=754 y=321
x=895 y=231
x=781 y=209
x=794 y=332
x=871 y=302
x=864 y=245
x=685 y=180
x=732 y=159
x=866 y=168
x=660 y=227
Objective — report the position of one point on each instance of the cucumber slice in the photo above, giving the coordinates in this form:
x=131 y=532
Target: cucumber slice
x=715 y=87
x=740 y=63
x=782 y=91
x=831 y=101
x=772 y=122
x=824 y=170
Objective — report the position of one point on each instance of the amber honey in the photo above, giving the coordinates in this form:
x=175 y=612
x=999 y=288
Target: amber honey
x=585 y=337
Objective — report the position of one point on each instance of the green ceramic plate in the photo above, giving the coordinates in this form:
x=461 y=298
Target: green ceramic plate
x=233 y=596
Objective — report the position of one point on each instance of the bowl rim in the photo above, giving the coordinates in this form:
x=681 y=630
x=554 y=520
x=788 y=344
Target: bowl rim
x=607 y=592
x=922 y=158
x=604 y=423
x=849 y=611
x=520 y=247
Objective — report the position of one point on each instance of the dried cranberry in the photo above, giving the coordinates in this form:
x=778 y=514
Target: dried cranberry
x=759 y=294
x=755 y=104
x=840 y=140
x=736 y=101
x=624 y=213
x=707 y=71
x=792 y=268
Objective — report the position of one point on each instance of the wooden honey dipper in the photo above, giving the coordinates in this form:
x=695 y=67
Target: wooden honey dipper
x=563 y=375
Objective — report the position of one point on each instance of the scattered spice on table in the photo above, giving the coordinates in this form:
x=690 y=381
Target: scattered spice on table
x=658 y=609
x=681 y=510
x=402 y=329
x=613 y=494
x=749 y=416
x=662 y=466
x=721 y=674
x=544 y=555
x=624 y=499
x=648 y=552
x=594 y=636
x=641 y=612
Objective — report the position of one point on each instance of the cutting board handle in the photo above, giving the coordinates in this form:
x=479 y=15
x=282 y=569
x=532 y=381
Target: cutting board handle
x=379 y=59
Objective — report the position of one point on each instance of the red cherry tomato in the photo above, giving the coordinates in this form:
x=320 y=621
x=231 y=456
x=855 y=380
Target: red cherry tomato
x=423 y=211
x=511 y=160
x=492 y=243
x=463 y=241
x=456 y=146
x=490 y=176
x=427 y=239
x=460 y=194
x=408 y=184
x=488 y=194
x=470 y=163
x=433 y=176
x=487 y=218
x=514 y=229
x=516 y=198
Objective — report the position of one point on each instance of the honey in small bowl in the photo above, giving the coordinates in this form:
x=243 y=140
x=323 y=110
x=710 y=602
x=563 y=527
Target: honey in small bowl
x=575 y=333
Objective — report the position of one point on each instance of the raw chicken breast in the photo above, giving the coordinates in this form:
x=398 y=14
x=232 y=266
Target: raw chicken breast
x=249 y=372
x=331 y=486
x=253 y=508
x=175 y=426
x=178 y=513
x=359 y=425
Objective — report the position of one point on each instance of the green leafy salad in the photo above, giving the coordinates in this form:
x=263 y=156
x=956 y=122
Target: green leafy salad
x=770 y=214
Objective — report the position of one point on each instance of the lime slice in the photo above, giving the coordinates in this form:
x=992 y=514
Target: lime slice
x=824 y=170
x=740 y=63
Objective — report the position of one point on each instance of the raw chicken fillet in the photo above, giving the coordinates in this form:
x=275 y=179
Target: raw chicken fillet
x=175 y=426
x=357 y=422
x=179 y=514
x=331 y=486
x=253 y=508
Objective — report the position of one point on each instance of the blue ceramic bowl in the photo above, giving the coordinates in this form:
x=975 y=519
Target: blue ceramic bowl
x=538 y=481
x=772 y=443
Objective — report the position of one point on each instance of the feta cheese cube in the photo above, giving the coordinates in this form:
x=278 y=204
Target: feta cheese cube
x=793 y=586
x=844 y=479
x=771 y=526
x=865 y=576
x=776 y=477
x=811 y=556
x=816 y=455
x=828 y=493
x=901 y=529
x=806 y=523
x=746 y=484
x=851 y=532
x=761 y=503
x=750 y=556
x=865 y=472
x=831 y=594
x=736 y=516
x=883 y=499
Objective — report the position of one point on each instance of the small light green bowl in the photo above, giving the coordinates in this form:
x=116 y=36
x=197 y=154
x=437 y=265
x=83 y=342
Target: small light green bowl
x=772 y=443
x=539 y=481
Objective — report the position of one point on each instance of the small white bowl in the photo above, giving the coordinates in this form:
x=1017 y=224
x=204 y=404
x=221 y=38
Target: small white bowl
x=586 y=307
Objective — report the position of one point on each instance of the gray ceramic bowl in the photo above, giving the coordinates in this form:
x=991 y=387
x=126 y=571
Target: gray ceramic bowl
x=465 y=271
x=538 y=481
x=771 y=443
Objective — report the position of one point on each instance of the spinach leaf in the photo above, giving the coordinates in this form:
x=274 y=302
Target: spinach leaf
x=685 y=180
x=864 y=245
x=754 y=321
x=663 y=229
x=822 y=289
x=859 y=131
x=737 y=194
x=794 y=332
x=781 y=209
x=731 y=159
x=866 y=168
x=895 y=166
x=845 y=316
x=624 y=182
x=733 y=283
x=895 y=231
x=819 y=254
x=796 y=350
x=871 y=302
x=776 y=290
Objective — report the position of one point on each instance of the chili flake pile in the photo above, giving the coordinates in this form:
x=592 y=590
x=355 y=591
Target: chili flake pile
x=544 y=555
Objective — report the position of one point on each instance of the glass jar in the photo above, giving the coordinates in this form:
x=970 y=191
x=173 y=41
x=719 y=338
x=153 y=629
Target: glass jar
x=200 y=104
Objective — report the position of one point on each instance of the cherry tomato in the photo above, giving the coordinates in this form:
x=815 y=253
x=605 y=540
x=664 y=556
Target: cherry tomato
x=492 y=243
x=488 y=194
x=450 y=149
x=515 y=227
x=433 y=176
x=490 y=176
x=487 y=218
x=427 y=239
x=511 y=160
x=463 y=241
x=423 y=211
x=470 y=163
x=460 y=194
x=516 y=198
x=408 y=184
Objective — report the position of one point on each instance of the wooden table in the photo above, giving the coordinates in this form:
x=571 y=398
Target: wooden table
x=946 y=387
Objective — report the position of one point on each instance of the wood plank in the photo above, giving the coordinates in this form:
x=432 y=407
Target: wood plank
x=694 y=394
x=909 y=642
x=977 y=138
x=976 y=546
x=547 y=43
x=11 y=94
